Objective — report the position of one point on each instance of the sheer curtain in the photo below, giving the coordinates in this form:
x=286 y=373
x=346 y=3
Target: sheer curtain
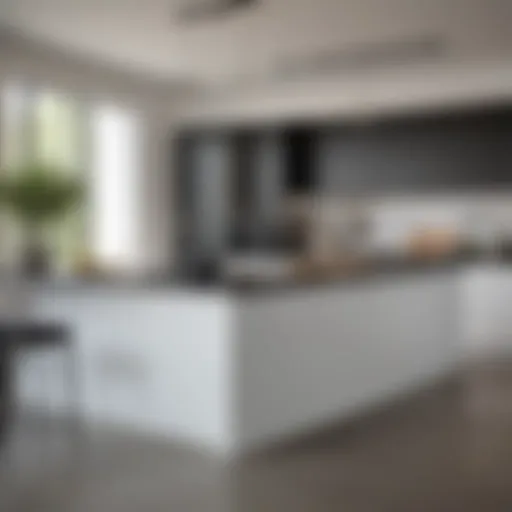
x=117 y=184
x=14 y=141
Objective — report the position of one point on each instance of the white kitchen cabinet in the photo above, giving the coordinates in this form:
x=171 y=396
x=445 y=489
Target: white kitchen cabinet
x=307 y=357
x=149 y=361
x=503 y=307
x=485 y=299
x=235 y=371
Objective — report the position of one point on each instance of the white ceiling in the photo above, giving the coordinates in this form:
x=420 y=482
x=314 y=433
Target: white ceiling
x=142 y=35
x=138 y=34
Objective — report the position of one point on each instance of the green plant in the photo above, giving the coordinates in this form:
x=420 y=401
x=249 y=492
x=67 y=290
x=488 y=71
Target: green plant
x=38 y=194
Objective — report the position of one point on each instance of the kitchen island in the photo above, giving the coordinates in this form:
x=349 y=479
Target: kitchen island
x=236 y=368
x=152 y=360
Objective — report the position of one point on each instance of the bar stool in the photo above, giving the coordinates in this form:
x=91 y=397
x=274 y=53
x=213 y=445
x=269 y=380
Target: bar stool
x=23 y=336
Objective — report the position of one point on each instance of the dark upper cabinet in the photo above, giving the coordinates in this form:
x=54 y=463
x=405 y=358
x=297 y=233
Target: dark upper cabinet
x=504 y=136
x=259 y=187
x=299 y=146
x=464 y=152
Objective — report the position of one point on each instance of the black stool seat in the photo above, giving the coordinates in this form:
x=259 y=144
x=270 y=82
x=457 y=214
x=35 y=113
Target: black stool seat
x=15 y=335
x=32 y=333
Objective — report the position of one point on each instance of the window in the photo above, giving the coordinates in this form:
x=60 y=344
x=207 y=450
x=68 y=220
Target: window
x=104 y=142
x=41 y=125
x=48 y=127
x=115 y=187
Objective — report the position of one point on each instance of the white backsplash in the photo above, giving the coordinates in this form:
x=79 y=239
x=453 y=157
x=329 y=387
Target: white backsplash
x=391 y=220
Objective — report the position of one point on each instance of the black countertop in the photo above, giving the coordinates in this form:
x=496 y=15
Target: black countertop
x=368 y=272
x=372 y=269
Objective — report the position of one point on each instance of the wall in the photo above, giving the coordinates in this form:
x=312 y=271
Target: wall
x=242 y=54
x=371 y=96
x=391 y=219
x=474 y=71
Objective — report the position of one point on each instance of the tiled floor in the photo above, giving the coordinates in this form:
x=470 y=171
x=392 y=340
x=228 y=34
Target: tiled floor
x=448 y=450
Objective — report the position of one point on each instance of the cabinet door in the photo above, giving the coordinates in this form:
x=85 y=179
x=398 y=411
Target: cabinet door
x=183 y=198
x=483 y=305
x=434 y=154
x=503 y=287
x=300 y=148
x=112 y=361
x=259 y=188
x=269 y=188
x=204 y=183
